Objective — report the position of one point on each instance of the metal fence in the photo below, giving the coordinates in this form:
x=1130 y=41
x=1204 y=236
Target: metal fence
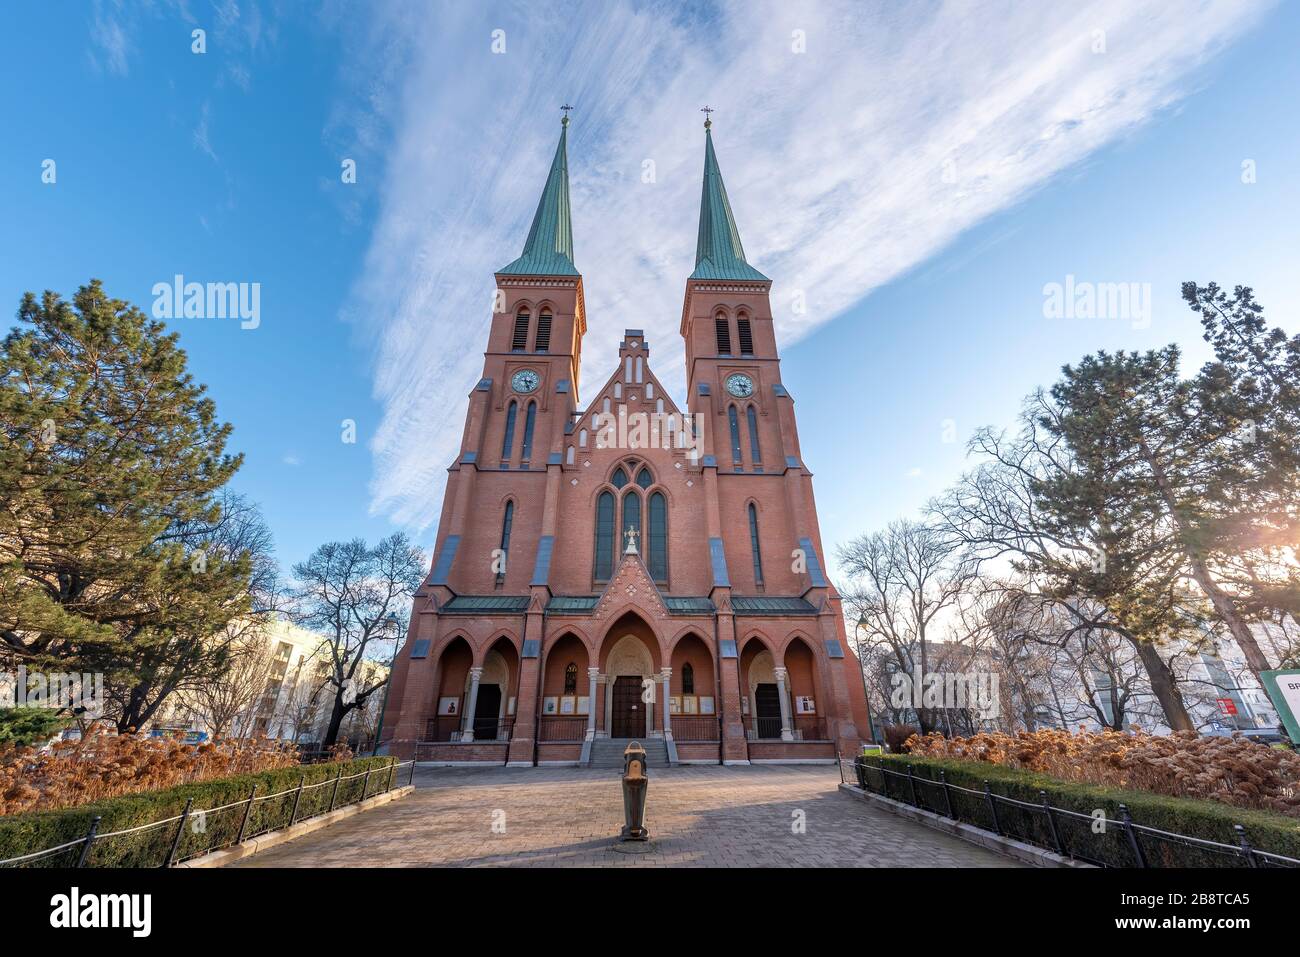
x=1062 y=830
x=691 y=728
x=198 y=831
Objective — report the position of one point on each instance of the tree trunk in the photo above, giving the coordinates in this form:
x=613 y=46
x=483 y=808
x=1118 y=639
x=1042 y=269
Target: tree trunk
x=1163 y=686
x=336 y=721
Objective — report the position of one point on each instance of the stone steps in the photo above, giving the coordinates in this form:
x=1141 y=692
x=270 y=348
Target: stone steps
x=608 y=752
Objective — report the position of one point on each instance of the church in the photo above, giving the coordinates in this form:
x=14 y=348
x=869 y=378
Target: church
x=621 y=568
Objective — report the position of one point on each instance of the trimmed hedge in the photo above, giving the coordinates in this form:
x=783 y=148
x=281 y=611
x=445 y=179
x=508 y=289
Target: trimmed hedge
x=22 y=834
x=1207 y=820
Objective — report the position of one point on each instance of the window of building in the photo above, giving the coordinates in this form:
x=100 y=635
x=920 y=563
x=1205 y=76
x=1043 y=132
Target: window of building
x=507 y=444
x=688 y=679
x=753 y=545
x=657 y=540
x=752 y=420
x=632 y=519
x=604 y=536
x=734 y=422
x=505 y=539
x=619 y=478
x=571 y=678
x=723 y=333
x=746 y=336
x=529 y=422
x=644 y=478
x=543 y=343
x=520 y=341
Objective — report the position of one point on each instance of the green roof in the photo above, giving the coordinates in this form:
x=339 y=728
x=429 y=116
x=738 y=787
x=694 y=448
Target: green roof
x=471 y=604
x=718 y=252
x=689 y=606
x=572 y=604
x=549 y=249
x=763 y=605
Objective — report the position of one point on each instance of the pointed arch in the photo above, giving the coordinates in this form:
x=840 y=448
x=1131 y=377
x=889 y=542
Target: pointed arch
x=657 y=537
x=745 y=334
x=519 y=342
x=604 y=551
x=722 y=330
x=542 y=341
x=507 y=443
x=632 y=517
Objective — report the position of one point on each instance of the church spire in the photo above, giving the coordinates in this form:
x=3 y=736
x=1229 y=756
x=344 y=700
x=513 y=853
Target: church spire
x=718 y=252
x=549 y=249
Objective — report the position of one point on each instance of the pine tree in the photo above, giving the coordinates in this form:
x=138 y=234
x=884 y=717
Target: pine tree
x=110 y=458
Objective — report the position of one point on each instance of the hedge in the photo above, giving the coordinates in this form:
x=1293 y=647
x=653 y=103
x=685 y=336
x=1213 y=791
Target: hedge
x=22 y=834
x=1206 y=820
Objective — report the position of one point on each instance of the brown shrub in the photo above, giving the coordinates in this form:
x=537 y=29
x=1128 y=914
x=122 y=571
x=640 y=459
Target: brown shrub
x=110 y=765
x=898 y=735
x=1184 y=764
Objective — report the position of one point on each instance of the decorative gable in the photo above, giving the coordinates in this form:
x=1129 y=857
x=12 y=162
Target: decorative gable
x=631 y=584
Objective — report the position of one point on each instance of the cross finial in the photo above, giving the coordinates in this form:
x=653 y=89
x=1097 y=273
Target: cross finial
x=630 y=535
x=566 y=108
x=708 y=120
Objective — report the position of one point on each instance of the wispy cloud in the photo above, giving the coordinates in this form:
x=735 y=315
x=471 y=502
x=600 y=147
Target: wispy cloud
x=897 y=129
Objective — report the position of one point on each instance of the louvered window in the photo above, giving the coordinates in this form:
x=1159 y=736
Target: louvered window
x=520 y=341
x=746 y=337
x=604 y=536
x=543 y=343
x=657 y=540
x=724 y=335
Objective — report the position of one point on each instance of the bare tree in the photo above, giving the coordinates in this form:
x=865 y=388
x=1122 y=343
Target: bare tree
x=236 y=692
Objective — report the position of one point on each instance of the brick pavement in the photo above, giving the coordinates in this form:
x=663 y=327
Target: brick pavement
x=565 y=817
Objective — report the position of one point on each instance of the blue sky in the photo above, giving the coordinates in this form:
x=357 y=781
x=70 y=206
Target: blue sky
x=915 y=173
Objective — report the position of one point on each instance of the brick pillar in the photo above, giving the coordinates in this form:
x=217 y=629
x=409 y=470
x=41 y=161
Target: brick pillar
x=522 y=749
x=735 y=748
x=843 y=729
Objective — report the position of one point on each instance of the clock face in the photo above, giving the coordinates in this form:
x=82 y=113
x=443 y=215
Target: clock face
x=740 y=385
x=525 y=380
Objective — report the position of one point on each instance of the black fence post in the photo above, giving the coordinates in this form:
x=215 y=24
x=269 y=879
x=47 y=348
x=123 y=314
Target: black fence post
x=180 y=832
x=1051 y=823
x=1246 y=849
x=334 y=796
x=911 y=783
x=1132 y=836
x=392 y=775
x=297 y=799
x=365 y=786
x=993 y=808
x=248 y=814
x=947 y=792
x=411 y=781
x=90 y=839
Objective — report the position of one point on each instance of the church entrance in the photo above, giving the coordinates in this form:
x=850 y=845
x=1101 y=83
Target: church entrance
x=767 y=704
x=486 y=712
x=628 y=715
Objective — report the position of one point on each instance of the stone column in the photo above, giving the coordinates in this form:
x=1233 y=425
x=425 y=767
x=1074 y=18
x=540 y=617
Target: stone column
x=667 y=675
x=471 y=703
x=592 y=675
x=787 y=733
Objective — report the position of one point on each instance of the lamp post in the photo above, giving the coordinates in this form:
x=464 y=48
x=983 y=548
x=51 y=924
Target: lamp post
x=857 y=642
x=389 y=629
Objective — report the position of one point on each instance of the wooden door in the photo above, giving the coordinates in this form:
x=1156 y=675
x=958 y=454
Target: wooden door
x=628 y=718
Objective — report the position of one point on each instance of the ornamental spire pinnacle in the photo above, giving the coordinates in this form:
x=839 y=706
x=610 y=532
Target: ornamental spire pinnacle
x=548 y=250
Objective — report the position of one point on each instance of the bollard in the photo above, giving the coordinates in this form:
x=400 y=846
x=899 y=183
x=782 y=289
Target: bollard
x=635 y=782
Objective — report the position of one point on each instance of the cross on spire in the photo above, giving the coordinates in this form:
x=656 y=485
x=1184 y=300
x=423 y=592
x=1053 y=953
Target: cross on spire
x=566 y=108
x=708 y=120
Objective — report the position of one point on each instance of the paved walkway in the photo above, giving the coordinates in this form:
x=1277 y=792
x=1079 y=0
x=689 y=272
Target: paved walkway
x=701 y=816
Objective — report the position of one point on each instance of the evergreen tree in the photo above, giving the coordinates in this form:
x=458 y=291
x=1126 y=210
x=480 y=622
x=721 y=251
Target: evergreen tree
x=110 y=458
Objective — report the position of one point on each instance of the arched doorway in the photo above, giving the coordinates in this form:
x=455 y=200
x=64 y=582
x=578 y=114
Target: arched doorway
x=494 y=705
x=763 y=699
x=630 y=655
x=448 y=718
x=807 y=708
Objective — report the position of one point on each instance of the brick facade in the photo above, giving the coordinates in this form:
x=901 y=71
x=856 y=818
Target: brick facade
x=572 y=601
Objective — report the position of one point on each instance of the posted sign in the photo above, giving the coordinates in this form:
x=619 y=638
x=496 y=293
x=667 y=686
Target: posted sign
x=1283 y=689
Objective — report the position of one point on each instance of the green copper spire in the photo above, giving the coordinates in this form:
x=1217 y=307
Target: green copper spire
x=718 y=253
x=549 y=249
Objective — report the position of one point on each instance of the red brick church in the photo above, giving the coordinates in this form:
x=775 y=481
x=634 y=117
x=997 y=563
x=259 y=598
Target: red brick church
x=627 y=569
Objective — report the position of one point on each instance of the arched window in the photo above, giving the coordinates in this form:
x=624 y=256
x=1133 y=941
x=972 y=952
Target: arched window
x=520 y=341
x=746 y=336
x=568 y=456
x=688 y=679
x=632 y=519
x=752 y=418
x=753 y=545
x=529 y=421
x=619 y=478
x=734 y=421
x=543 y=341
x=582 y=439
x=644 y=478
x=604 y=536
x=571 y=678
x=505 y=539
x=507 y=445
x=657 y=540
x=724 y=334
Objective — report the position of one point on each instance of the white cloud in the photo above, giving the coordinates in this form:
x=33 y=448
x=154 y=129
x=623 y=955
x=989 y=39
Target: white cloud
x=834 y=159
